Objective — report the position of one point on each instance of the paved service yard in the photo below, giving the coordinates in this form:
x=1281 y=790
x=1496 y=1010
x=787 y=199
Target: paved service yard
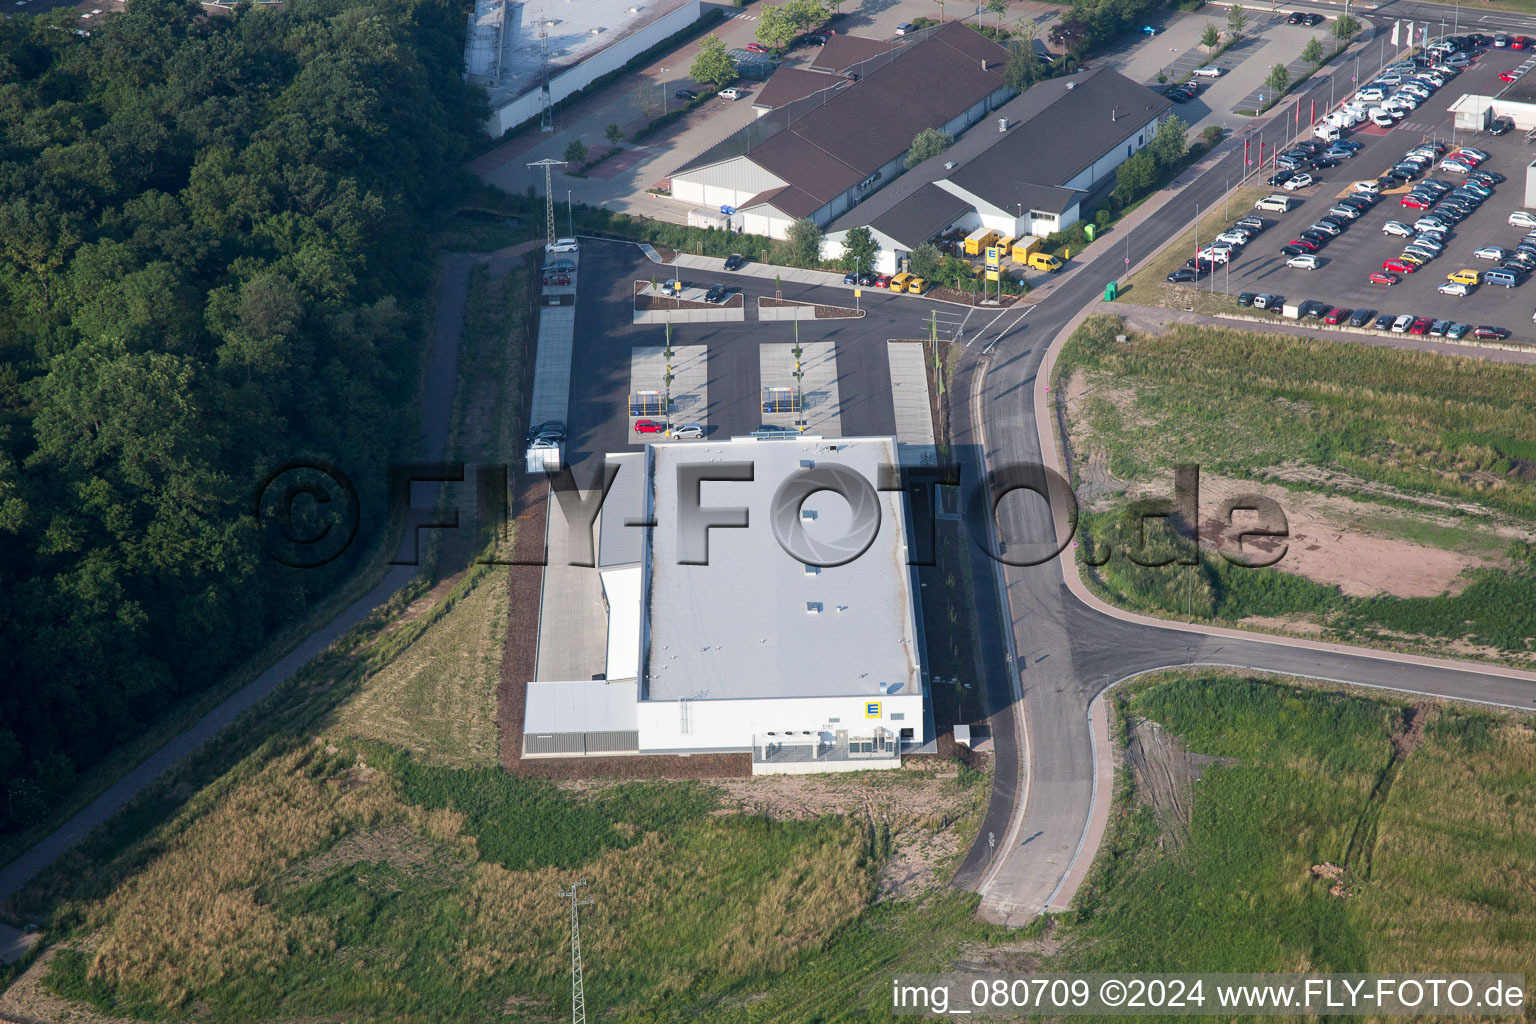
x=1349 y=259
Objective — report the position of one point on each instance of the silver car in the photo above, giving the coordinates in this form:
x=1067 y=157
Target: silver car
x=689 y=432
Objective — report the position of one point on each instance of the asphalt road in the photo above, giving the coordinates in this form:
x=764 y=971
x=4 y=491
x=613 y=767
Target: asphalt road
x=1068 y=652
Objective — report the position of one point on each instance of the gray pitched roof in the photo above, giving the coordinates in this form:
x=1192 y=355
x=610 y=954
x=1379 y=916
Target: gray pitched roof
x=921 y=215
x=1066 y=126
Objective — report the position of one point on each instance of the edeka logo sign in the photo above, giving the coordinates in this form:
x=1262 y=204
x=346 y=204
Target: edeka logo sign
x=307 y=513
x=872 y=709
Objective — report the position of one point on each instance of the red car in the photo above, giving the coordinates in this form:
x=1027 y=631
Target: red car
x=1468 y=158
x=557 y=279
x=1380 y=278
x=756 y=48
x=1420 y=325
x=1304 y=243
x=1399 y=266
x=1490 y=332
x=649 y=427
x=1337 y=316
x=883 y=281
x=1414 y=202
x=1505 y=76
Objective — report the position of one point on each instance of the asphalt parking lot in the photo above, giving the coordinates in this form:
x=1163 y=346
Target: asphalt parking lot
x=606 y=338
x=1348 y=260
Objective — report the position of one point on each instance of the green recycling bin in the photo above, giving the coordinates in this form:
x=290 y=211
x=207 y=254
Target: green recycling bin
x=1111 y=290
x=1089 y=230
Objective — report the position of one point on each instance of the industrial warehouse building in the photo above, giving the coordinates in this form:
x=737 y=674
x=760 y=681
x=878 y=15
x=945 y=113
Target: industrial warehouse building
x=1030 y=172
x=825 y=150
x=513 y=46
x=810 y=667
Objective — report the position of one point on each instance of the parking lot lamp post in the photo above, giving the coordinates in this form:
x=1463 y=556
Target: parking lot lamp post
x=667 y=377
x=799 y=382
x=570 y=214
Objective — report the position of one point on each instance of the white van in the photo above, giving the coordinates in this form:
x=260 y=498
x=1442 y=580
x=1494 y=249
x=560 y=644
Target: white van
x=1274 y=204
x=562 y=245
x=1326 y=132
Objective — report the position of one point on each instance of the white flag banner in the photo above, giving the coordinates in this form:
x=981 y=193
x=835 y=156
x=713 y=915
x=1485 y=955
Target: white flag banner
x=1409 y=40
x=1395 y=26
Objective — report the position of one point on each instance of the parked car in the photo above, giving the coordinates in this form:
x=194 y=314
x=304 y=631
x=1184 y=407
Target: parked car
x=1500 y=126
x=649 y=427
x=1397 y=228
x=1336 y=316
x=1457 y=330
x=1384 y=321
x=1381 y=277
x=735 y=261
x=1306 y=261
x=1401 y=324
x=1522 y=219
x=1415 y=202
x=716 y=294
x=1361 y=317
x=686 y=94
x=1437 y=328
x=732 y=93
x=1420 y=325
x=1207 y=71
x=1491 y=252
x=1185 y=275
x=1455 y=288
x=1280 y=178
x=905 y=27
x=1484 y=331
x=689 y=432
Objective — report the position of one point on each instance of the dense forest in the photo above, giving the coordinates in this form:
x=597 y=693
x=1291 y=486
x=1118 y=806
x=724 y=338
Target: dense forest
x=212 y=260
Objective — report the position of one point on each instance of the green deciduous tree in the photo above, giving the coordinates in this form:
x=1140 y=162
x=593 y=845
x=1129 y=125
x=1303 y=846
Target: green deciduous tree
x=1022 y=69
x=1169 y=143
x=860 y=250
x=1345 y=26
x=1312 y=53
x=1279 y=79
x=1237 y=21
x=804 y=243
x=576 y=153
x=614 y=134
x=1135 y=177
x=925 y=261
x=999 y=8
x=713 y=65
x=1211 y=37
x=926 y=143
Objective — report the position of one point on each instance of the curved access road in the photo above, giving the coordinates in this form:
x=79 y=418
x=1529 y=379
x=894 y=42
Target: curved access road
x=1064 y=646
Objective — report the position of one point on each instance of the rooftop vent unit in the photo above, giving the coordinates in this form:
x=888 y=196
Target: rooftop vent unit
x=885 y=688
x=813 y=608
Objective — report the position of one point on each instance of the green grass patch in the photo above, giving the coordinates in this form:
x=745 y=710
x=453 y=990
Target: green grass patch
x=1239 y=404
x=1445 y=880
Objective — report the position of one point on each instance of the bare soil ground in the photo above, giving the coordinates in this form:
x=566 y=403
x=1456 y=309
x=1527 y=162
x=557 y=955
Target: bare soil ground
x=1361 y=546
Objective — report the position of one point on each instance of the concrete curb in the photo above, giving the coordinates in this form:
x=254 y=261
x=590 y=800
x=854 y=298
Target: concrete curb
x=689 y=316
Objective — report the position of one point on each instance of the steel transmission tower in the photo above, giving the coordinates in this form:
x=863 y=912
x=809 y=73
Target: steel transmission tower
x=549 y=197
x=578 y=997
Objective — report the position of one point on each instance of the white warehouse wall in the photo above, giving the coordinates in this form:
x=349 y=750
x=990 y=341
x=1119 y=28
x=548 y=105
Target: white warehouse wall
x=732 y=724
x=581 y=75
x=1106 y=164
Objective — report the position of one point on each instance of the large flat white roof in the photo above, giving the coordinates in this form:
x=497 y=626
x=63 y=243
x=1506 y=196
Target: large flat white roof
x=739 y=627
x=504 y=36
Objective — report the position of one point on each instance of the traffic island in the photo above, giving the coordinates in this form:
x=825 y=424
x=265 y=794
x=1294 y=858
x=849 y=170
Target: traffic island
x=790 y=309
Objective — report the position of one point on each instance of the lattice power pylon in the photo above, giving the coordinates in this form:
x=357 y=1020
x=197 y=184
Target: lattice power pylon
x=578 y=996
x=549 y=197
